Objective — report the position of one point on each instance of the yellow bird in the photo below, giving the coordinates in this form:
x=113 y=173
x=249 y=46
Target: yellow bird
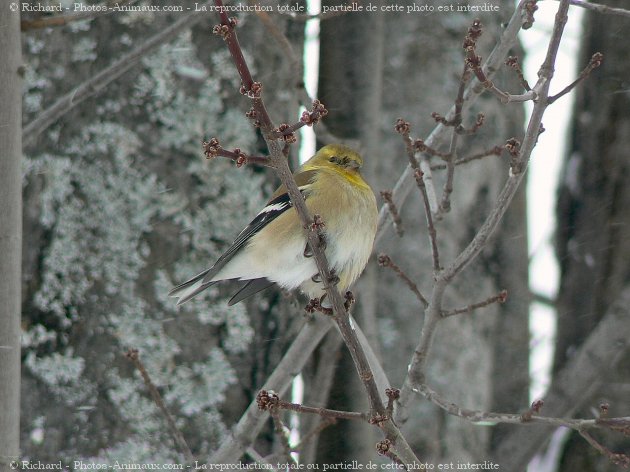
x=272 y=248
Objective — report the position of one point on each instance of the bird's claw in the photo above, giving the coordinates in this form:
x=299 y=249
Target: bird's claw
x=315 y=304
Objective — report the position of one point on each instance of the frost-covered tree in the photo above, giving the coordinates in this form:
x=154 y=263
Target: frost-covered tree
x=120 y=206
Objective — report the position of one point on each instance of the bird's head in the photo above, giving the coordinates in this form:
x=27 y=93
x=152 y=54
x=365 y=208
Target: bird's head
x=337 y=157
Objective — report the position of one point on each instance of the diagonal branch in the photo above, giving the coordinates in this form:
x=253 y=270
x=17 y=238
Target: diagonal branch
x=279 y=162
x=599 y=8
x=244 y=433
x=178 y=437
x=64 y=19
x=253 y=90
x=100 y=81
x=575 y=384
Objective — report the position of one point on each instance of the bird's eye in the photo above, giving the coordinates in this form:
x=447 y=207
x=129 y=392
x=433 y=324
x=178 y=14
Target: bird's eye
x=333 y=159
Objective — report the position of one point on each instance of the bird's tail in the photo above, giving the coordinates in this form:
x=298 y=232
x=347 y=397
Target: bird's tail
x=190 y=288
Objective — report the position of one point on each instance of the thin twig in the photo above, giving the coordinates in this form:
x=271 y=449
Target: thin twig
x=619 y=459
x=403 y=128
x=474 y=128
x=309 y=118
x=134 y=356
x=599 y=8
x=445 y=202
x=419 y=176
x=495 y=151
x=405 y=183
x=213 y=149
x=281 y=431
x=268 y=400
x=393 y=394
x=297 y=68
x=512 y=62
x=420 y=146
x=594 y=63
x=385 y=261
x=498 y=298
x=473 y=61
x=387 y=197
x=530 y=417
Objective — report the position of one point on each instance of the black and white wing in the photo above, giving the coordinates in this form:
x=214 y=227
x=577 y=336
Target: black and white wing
x=202 y=281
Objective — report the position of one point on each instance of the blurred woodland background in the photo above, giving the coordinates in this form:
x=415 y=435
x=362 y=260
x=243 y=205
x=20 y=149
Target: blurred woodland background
x=119 y=204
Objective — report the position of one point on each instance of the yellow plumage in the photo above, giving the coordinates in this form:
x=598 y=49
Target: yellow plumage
x=271 y=249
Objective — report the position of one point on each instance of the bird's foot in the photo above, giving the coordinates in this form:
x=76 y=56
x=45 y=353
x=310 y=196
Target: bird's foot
x=315 y=304
x=334 y=278
x=349 y=296
x=308 y=252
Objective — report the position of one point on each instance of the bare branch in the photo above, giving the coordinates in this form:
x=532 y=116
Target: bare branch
x=387 y=197
x=296 y=66
x=495 y=151
x=512 y=62
x=619 y=459
x=65 y=19
x=212 y=149
x=419 y=176
x=268 y=401
x=530 y=417
x=594 y=63
x=417 y=366
x=253 y=90
x=498 y=298
x=575 y=384
x=406 y=181
x=281 y=432
x=599 y=8
x=473 y=61
x=99 y=82
x=245 y=431
x=385 y=261
x=134 y=357
x=403 y=128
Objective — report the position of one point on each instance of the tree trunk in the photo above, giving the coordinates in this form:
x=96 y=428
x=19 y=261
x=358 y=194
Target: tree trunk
x=10 y=234
x=593 y=239
x=120 y=206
